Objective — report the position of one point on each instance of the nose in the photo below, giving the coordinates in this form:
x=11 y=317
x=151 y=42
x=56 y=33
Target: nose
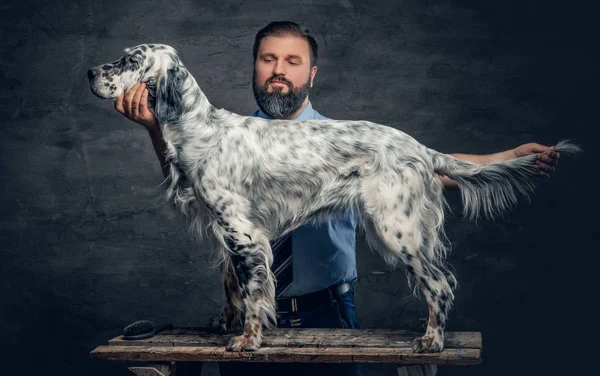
x=278 y=69
x=91 y=73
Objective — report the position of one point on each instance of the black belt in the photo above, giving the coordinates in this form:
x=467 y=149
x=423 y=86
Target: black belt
x=307 y=302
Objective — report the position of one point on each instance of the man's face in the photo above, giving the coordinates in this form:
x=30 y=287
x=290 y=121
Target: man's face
x=282 y=75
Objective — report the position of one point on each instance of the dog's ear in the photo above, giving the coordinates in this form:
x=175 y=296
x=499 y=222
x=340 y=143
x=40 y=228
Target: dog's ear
x=168 y=106
x=151 y=86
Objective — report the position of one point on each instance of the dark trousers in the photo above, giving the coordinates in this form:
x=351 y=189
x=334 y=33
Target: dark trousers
x=338 y=312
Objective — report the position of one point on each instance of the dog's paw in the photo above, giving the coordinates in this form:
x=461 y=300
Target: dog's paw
x=427 y=344
x=243 y=343
x=226 y=323
x=222 y=326
x=217 y=326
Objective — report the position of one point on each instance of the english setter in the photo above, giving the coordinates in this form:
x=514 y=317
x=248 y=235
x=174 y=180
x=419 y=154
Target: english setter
x=250 y=180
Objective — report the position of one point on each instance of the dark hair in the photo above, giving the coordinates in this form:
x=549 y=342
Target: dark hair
x=279 y=28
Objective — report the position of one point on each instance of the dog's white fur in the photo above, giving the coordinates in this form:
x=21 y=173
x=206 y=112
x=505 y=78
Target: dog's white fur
x=248 y=180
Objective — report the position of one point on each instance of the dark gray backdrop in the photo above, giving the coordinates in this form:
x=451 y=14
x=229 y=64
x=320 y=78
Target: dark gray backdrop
x=88 y=245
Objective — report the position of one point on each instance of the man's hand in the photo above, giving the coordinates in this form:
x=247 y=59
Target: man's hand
x=134 y=105
x=546 y=161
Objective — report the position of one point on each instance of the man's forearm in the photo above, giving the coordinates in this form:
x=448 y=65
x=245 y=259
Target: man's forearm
x=479 y=159
x=159 y=147
x=485 y=159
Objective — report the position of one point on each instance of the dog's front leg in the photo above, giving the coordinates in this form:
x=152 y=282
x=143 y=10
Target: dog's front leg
x=250 y=260
x=248 y=251
x=231 y=315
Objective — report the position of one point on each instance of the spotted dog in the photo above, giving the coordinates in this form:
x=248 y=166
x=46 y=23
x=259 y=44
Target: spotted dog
x=244 y=180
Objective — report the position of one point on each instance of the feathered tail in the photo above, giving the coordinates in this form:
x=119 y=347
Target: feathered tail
x=493 y=188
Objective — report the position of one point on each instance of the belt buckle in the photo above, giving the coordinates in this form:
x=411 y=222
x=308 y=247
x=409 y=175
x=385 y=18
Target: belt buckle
x=342 y=288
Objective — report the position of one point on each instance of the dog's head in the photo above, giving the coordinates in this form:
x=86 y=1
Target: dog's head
x=144 y=63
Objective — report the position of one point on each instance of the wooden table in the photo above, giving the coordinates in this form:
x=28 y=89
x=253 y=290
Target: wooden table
x=301 y=345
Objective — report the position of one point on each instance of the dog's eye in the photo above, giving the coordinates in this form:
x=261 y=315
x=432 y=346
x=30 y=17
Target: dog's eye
x=134 y=60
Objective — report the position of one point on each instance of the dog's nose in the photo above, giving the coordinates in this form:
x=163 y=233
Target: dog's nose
x=91 y=73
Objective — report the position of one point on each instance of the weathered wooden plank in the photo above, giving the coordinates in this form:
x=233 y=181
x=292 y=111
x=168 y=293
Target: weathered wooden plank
x=304 y=337
x=300 y=355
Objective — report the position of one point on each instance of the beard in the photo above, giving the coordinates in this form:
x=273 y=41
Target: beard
x=278 y=104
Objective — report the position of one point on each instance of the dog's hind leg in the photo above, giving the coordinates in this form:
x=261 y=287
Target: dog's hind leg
x=403 y=221
x=439 y=296
x=248 y=250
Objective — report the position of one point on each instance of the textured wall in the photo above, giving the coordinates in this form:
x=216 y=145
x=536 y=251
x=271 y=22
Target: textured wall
x=88 y=245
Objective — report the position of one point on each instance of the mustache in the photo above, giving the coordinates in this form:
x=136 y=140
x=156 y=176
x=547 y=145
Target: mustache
x=279 y=78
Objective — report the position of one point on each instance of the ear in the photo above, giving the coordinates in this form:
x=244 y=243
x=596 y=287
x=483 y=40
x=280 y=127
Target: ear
x=168 y=91
x=151 y=86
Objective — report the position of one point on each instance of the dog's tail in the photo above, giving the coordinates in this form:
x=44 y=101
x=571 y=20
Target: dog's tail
x=493 y=188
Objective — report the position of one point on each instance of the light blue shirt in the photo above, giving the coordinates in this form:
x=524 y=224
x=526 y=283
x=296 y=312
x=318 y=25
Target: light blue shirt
x=323 y=254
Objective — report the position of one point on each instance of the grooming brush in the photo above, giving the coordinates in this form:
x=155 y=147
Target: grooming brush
x=143 y=329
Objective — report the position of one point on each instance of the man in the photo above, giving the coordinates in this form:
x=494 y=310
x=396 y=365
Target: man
x=323 y=257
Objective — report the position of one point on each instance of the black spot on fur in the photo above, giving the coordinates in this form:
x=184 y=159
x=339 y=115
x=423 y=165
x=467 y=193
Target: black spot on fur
x=242 y=272
x=409 y=206
x=399 y=235
x=440 y=320
x=442 y=306
x=232 y=245
x=426 y=286
x=359 y=147
x=269 y=183
x=351 y=174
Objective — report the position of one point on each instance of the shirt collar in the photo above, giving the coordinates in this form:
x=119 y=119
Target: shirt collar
x=307 y=114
